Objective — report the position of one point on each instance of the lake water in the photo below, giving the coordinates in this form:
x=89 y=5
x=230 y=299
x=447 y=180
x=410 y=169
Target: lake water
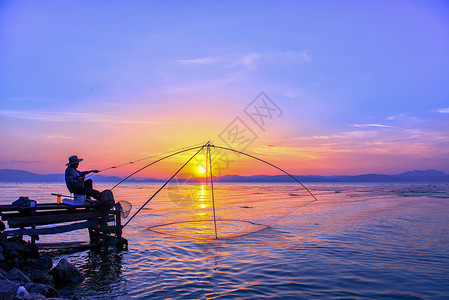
x=372 y=241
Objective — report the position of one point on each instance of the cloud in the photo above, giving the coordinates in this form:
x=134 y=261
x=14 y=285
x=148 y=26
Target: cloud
x=250 y=60
x=425 y=142
x=372 y=125
x=217 y=71
x=444 y=110
x=13 y=162
x=199 y=61
x=70 y=117
x=288 y=57
x=405 y=117
x=59 y=136
x=398 y=117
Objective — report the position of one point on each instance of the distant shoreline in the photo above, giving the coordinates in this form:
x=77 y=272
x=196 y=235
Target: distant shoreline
x=416 y=176
x=343 y=183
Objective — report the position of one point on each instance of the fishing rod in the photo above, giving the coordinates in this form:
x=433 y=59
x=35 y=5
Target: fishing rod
x=129 y=220
x=61 y=195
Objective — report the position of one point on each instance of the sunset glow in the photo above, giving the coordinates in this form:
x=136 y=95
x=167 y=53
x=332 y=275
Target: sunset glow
x=357 y=87
x=201 y=169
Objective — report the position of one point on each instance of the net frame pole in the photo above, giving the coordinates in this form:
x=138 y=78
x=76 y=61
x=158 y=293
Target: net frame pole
x=274 y=166
x=212 y=190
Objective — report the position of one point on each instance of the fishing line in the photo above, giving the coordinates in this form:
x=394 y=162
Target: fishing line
x=148 y=157
x=152 y=163
x=207 y=144
x=139 y=160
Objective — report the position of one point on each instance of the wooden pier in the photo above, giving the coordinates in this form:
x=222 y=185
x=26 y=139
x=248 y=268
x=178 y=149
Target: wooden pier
x=102 y=219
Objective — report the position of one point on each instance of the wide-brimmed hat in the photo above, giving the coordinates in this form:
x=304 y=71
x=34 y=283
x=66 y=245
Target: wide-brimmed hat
x=73 y=160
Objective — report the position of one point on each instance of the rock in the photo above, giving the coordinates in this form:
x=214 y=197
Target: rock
x=22 y=292
x=15 y=262
x=47 y=279
x=40 y=269
x=4 y=267
x=28 y=261
x=12 y=248
x=65 y=274
x=33 y=296
x=9 y=246
x=16 y=275
x=43 y=289
x=37 y=274
x=44 y=263
x=7 y=289
x=14 y=254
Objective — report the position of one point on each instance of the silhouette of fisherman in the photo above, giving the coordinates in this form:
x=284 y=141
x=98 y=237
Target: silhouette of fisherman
x=75 y=182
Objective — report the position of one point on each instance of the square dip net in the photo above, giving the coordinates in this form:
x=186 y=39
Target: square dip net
x=199 y=202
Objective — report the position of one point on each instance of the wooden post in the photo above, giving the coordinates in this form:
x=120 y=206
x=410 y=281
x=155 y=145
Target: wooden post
x=118 y=221
x=122 y=244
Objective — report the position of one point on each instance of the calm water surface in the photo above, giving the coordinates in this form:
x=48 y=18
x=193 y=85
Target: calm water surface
x=356 y=242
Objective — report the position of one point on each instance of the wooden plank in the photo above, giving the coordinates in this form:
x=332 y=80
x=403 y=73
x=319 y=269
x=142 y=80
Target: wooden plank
x=45 y=206
x=51 y=219
x=53 y=230
x=10 y=215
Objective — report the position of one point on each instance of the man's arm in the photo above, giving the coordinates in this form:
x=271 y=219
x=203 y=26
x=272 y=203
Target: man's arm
x=84 y=173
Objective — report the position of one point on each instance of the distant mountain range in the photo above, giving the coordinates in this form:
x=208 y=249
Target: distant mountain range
x=410 y=176
x=8 y=175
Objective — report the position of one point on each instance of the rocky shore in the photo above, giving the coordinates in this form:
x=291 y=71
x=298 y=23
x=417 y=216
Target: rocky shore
x=24 y=274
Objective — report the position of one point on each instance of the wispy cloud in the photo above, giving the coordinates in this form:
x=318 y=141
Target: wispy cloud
x=444 y=110
x=405 y=117
x=70 y=117
x=199 y=61
x=398 y=117
x=217 y=71
x=13 y=162
x=59 y=136
x=251 y=60
x=372 y=125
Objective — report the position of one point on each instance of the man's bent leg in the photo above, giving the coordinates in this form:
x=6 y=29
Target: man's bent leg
x=89 y=191
x=94 y=234
x=92 y=193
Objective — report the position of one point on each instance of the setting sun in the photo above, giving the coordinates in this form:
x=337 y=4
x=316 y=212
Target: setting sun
x=201 y=169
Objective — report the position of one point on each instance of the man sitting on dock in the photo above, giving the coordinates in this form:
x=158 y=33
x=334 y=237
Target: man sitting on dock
x=75 y=182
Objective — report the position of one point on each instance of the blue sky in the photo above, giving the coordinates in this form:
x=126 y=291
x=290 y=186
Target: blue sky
x=364 y=85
